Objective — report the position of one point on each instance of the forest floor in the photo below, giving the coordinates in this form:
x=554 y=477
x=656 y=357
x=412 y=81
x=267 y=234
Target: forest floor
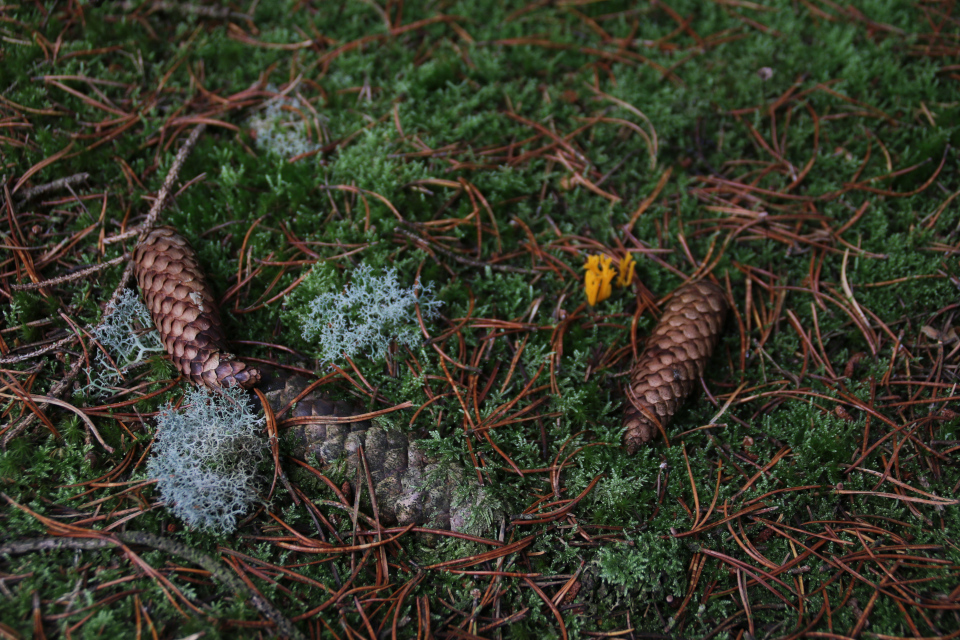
x=802 y=154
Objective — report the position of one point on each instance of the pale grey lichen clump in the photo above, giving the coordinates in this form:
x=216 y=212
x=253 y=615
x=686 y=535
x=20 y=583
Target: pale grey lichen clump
x=370 y=313
x=206 y=456
x=127 y=333
x=280 y=128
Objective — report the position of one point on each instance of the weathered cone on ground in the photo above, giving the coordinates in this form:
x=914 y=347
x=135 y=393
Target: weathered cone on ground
x=674 y=358
x=410 y=488
x=185 y=311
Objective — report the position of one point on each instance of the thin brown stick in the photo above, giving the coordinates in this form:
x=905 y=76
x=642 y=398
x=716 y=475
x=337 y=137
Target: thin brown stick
x=70 y=277
x=167 y=185
x=61 y=183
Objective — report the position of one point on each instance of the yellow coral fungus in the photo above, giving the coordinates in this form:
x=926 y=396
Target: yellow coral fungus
x=626 y=269
x=599 y=279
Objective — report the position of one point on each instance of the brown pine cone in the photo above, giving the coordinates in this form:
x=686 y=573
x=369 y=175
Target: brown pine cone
x=185 y=311
x=674 y=359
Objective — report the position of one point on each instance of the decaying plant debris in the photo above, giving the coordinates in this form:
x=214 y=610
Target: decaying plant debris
x=408 y=488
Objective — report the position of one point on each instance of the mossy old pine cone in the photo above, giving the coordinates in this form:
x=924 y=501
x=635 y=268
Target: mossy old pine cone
x=410 y=487
x=674 y=358
x=185 y=311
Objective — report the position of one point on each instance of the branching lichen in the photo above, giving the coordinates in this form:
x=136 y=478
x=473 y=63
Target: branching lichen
x=128 y=335
x=206 y=456
x=281 y=127
x=370 y=313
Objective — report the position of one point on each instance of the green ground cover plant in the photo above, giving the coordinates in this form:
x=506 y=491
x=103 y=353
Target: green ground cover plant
x=802 y=154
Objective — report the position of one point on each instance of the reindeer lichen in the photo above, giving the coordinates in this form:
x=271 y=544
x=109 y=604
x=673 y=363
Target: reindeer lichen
x=127 y=334
x=206 y=456
x=370 y=313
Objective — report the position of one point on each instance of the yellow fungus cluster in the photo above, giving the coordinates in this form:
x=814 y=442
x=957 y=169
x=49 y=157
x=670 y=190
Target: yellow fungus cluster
x=598 y=282
x=627 y=267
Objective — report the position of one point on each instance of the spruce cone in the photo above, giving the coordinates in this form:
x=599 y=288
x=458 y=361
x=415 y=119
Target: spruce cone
x=409 y=487
x=674 y=359
x=185 y=311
